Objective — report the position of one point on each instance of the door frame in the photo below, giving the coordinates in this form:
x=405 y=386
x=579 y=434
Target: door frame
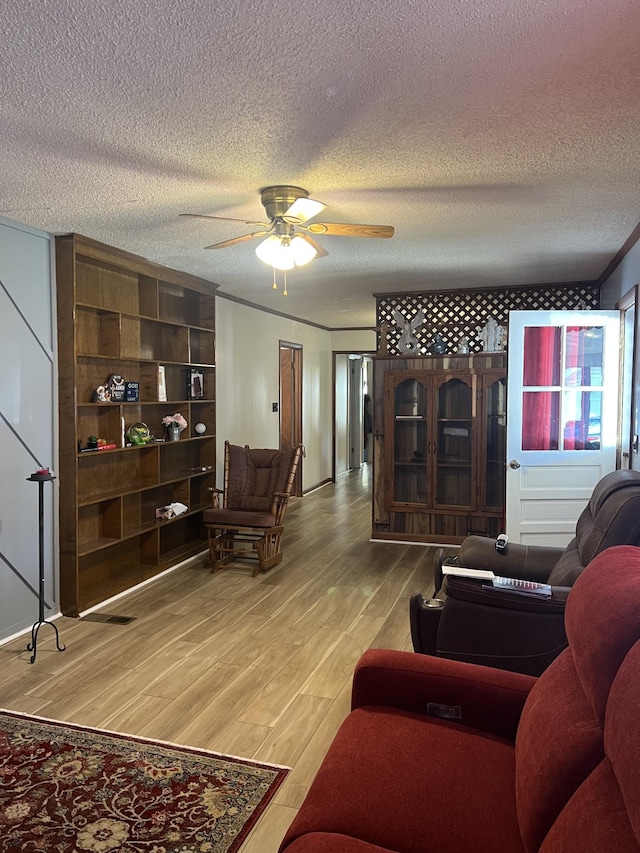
x=290 y=379
x=628 y=426
x=364 y=355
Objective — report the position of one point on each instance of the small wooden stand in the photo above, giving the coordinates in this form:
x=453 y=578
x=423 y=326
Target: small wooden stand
x=41 y=476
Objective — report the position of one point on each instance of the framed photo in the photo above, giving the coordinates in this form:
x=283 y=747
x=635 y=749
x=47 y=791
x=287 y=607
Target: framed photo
x=196 y=385
x=162 y=384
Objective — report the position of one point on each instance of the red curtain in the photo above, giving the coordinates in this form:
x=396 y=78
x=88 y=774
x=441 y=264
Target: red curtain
x=541 y=409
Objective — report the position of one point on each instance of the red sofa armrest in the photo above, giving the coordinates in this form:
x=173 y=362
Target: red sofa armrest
x=489 y=699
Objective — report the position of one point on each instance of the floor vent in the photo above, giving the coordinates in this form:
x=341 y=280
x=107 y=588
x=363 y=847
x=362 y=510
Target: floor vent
x=108 y=617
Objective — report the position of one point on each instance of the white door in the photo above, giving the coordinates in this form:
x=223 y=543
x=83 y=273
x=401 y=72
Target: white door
x=562 y=403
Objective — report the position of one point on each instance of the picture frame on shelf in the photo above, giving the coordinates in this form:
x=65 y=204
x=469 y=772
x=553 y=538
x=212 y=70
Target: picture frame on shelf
x=195 y=387
x=162 y=384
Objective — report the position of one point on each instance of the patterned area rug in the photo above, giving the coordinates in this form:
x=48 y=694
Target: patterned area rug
x=65 y=789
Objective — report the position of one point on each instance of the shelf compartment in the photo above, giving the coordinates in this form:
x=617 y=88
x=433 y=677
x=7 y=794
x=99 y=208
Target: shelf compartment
x=92 y=371
x=139 y=509
x=454 y=486
x=103 y=474
x=154 y=341
x=104 y=573
x=178 y=458
x=410 y=484
x=97 y=332
x=201 y=347
x=177 y=382
x=178 y=305
x=204 y=412
x=99 y=525
x=200 y=489
x=106 y=285
x=147 y=295
x=150 y=414
x=101 y=420
x=181 y=539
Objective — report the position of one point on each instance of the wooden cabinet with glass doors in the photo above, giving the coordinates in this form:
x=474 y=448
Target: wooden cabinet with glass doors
x=439 y=447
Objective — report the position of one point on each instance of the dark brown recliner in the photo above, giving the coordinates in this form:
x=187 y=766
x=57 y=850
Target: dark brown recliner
x=467 y=621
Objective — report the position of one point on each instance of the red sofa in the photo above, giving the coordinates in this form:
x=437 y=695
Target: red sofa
x=548 y=764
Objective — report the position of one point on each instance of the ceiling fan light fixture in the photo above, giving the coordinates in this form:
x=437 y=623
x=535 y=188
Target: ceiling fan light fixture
x=283 y=253
x=303 y=209
x=272 y=252
x=303 y=252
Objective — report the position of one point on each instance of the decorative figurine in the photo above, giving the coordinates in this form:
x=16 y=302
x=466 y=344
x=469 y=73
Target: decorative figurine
x=491 y=336
x=463 y=345
x=116 y=388
x=408 y=342
x=101 y=395
x=438 y=346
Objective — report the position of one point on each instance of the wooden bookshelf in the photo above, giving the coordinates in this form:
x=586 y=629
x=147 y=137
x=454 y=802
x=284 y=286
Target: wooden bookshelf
x=119 y=314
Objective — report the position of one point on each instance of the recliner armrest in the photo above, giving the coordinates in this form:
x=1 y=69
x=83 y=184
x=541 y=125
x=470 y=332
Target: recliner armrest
x=531 y=562
x=490 y=699
x=481 y=592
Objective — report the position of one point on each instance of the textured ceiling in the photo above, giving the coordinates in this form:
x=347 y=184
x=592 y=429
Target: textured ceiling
x=499 y=137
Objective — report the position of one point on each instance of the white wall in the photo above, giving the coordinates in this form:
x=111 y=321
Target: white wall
x=28 y=423
x=358 y=340
x=625 y=276
x=248 y=383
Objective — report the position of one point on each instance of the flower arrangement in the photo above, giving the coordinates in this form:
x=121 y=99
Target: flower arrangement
x=175 y=420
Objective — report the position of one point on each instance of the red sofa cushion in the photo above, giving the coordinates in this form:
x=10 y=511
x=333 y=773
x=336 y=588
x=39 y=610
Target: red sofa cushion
x=581 y=708
x=330 y=842
x=386 y=780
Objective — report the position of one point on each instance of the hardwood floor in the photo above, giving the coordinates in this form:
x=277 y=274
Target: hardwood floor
x=258 y=667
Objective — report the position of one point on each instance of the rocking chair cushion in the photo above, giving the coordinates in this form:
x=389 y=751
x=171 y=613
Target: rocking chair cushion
x=254 y=476
x=237 y=518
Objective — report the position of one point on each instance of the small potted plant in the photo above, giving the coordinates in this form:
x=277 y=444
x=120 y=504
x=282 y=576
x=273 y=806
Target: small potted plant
x=174 y=424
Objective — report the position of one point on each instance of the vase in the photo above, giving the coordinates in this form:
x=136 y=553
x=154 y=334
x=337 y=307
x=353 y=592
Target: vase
x=173 y=432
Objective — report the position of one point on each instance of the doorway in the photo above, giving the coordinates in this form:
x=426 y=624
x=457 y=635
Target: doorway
x=291 y=404
x=352 y=402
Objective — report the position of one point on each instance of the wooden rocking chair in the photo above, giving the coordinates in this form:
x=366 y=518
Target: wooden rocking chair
x=247 y=516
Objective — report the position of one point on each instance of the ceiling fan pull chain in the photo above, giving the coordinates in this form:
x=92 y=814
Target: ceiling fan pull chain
x=284 y=273
x=275 y=283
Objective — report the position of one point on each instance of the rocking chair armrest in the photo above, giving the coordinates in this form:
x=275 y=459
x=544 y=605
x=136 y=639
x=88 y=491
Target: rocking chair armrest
x=217 y=497
x=279 y=504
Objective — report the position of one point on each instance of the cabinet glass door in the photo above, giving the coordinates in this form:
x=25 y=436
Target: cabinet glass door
x=410 y=442
x=495 y=413
x=454 y=445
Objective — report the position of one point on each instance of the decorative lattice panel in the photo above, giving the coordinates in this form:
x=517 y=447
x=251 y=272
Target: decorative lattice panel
x=457 y=314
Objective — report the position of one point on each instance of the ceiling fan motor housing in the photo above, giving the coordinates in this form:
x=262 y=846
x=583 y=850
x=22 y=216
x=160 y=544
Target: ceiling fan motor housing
x=278 y=199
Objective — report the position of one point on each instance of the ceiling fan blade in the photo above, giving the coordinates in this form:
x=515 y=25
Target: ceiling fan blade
x=234 y=240
x=225 y=219
x=302 y=209
x=343 y=229
x=322 y=253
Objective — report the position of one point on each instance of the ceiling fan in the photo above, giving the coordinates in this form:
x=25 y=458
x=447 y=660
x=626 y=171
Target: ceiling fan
x=289 y=241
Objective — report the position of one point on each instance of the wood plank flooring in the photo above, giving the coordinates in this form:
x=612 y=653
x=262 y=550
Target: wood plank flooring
x=258 y=667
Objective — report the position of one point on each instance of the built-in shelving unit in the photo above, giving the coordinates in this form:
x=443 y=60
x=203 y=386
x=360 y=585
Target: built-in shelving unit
x=119 y=314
